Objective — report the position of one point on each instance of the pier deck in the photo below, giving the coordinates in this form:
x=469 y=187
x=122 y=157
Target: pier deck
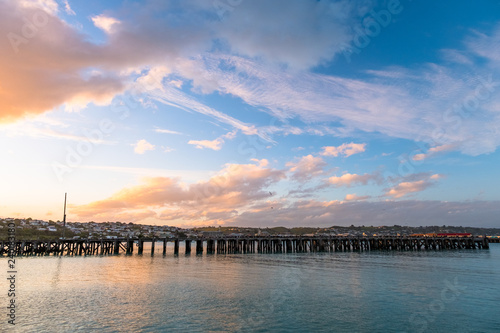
x=231 y=245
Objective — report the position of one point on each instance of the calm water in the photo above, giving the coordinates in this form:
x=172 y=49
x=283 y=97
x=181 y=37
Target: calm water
x=430 y=291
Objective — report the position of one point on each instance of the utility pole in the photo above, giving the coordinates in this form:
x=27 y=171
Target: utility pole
x=64 y=217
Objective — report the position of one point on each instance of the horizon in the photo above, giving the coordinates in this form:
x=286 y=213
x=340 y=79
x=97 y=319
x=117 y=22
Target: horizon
x=265 y=227
x=259 y=113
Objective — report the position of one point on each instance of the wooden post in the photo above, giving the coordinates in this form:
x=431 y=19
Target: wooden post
x=199 y=246
x=140 y=246
x=176 y=246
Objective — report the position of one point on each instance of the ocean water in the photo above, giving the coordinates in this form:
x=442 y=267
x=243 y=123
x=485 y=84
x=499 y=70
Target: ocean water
x=427 y=291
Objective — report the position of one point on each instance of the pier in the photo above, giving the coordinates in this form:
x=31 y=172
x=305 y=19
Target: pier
x=234 y=245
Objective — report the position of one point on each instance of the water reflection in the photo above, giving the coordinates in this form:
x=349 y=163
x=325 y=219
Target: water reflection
x=280 y=292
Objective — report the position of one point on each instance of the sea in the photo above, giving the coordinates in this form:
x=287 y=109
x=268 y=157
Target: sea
x=377 y=291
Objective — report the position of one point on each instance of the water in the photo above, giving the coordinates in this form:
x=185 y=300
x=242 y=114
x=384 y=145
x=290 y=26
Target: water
x=426 y=291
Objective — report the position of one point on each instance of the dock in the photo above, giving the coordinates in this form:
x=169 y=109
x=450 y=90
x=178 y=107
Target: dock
x=237 y=245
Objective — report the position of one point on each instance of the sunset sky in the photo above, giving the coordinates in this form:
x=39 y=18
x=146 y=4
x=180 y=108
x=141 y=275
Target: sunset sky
x=251 y=112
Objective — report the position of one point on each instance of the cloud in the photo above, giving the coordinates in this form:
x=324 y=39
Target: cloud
x=433 y=151
x=405 y=212
x=323 y=28
x=306 y=168
x=59 y=65
x=67 y=8
x=46 y=127
x=141 y=146
x=66 y=67
x=263 y=162
x=105 y=23
x=234 y=187
x=434 y=103
x=349 y=180
x=176 y=98
x=239 y=195
x=210 y=144
x=354 y=197
x=43 y=69
x=404 y=188
x=166 y=131
x=49 y=6
x=215 y=144
x=346 y=149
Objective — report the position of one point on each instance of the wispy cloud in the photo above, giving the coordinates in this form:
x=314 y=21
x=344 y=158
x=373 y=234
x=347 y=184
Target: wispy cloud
x=166 y=131
x=215 y=144
x=42 y=127
x=67 y=8
x=396 y=102
x=433 y=151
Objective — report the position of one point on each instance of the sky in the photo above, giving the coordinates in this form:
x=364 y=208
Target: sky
x=251 y=112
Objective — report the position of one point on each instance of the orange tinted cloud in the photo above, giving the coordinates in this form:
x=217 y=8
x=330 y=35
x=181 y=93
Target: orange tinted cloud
x=234 y=188
x=352 y=179
x=354 y=197
x=306 y=167
x=433 y=151
x=42 y=61
x=346 y=149
x=405 y=188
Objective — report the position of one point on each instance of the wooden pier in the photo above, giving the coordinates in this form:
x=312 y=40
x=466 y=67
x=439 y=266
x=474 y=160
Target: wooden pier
x=232 y=245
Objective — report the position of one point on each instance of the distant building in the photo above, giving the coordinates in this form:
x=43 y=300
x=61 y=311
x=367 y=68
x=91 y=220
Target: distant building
x=212 y=234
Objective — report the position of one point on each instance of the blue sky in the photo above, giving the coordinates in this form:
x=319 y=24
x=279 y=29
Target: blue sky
x=251 y=113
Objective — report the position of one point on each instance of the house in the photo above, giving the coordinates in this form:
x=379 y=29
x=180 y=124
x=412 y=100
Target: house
x=51 y=228
x=212 y=234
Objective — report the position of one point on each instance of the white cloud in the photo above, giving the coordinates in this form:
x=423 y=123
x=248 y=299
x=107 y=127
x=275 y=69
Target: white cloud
x=67 y=8
x=437 y=114
x=166 y=131
x=141 y=146
x=106 y=23
x=346 y=149
x=210 y=144
x=50 y=6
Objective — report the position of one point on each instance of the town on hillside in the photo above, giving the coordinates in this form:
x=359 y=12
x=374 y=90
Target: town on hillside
x=31 y=229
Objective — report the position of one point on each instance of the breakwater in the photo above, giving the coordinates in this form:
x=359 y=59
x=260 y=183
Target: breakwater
x=231 y=245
